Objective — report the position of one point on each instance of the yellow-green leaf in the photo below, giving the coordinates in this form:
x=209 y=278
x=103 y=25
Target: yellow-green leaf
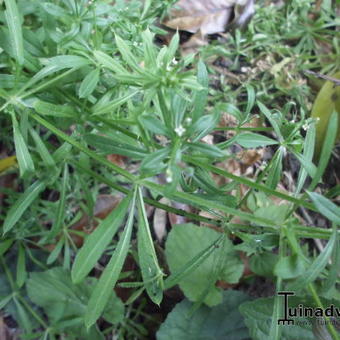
x=327 y=100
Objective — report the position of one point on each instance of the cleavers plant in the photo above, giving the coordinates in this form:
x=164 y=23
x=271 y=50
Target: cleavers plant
x=81 y=80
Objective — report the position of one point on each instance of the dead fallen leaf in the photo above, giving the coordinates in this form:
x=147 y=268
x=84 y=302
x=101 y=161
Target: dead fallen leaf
x=203 y=17
x=160 y=220
x=117 y=160
x=207 y=16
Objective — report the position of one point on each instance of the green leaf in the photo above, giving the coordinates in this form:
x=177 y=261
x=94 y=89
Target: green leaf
x=290 y=267
x=55 y=252
x=68 y=61
x=89 y=83
x=306 y=164
x=20 y=206
x=201 y=96
x=326 y=207
x=49 y=109
x=109 y=146
x=25 y=161
x=326 y=149
x=185 y=322
x=275 y=171
x=127 y=54
x=60 y=213
x=109 y=277
x=203 y=126
x=54 y=10
x=275 y=213
x=171 y=49
x=42 y=149
x=263 y=264
x=271 y=119
x=308 y=152
x=151 y=272
x=253 y=140
x=98 y=240
x=149 y=48
x=4 y=246
x=112 y=105
x=326 y=102
x=109 y=63
x=258 y=318
x=251 y=99
x=184 y=243
x=21 y=266
x=316 y=267
x=154 y=125
x=61 y=300
x=211 y=151
x=153 y=164
x=13 y=20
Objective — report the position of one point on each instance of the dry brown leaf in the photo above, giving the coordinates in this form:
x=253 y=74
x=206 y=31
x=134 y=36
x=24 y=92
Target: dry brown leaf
x=117 y=160
x=160 y=220
x=103 y=206
x=203 y=17
x=178 y=219
x=207 y=16
x=4 y=334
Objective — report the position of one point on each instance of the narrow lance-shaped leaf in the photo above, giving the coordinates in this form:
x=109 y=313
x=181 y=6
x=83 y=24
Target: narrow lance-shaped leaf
x=308 y=152
x=253 y=140
x=97 y=242
x=127 y=54
x=7 y=163
x=21 y=267
x=151 y=272
x=20 y=206
x=25 y=161
x=61 y=206
x=201 y=96
x=271 y=119
x=42 y=149
x=191 y=265
x=109 y=277
x=89 y=83
x=317 y=266
x=49 y=109
x=108 y=62
x=275 y=171
x=326 y=149
x=14 y=25
x=109 y=107
x=326 y=207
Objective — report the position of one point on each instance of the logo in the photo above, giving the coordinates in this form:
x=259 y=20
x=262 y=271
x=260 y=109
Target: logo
x=302 y=311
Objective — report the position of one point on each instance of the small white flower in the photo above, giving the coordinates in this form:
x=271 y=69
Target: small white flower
x=305 y=126
x=174 y=61
x=188 y=120
x=168 y=176
x=180 y=130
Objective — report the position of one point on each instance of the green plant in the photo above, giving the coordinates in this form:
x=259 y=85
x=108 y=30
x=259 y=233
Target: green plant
x=82 y=80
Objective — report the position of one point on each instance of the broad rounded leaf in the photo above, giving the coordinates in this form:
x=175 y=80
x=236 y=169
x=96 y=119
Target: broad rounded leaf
x=219 y=323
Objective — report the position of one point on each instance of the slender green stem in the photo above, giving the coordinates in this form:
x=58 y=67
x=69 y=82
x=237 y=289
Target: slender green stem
x=248 y=182
x=31 y=310
x=150 y=201
x=82 y=148
x=318 y=302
